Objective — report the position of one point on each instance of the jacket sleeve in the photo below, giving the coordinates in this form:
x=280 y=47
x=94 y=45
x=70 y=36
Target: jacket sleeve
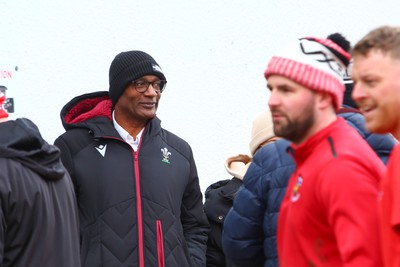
x=215 y=256
x=66 y=157
x=219 y=200
x=194 y=220
x=352 y=211
x=242 y=237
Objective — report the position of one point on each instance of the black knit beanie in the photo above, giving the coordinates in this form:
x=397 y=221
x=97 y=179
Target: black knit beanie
x=129 y=66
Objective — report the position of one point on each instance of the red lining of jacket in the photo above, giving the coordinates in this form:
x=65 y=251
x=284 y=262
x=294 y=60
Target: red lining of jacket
x=88 y=109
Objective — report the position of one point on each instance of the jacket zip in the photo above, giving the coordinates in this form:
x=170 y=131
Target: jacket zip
x=139 y=201
x=139 y=210
x=160 y=244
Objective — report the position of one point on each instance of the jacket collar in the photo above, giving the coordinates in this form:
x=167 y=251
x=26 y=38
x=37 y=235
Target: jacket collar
x=301 y=152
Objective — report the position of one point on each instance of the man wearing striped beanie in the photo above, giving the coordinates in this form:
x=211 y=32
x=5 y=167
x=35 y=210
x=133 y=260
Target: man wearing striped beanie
x=329 y=215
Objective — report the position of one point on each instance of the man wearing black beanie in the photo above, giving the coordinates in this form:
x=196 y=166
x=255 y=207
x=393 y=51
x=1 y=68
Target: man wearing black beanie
x=137 y=187
x=130 y=66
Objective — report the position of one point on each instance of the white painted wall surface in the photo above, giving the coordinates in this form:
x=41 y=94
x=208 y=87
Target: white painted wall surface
x=213 y=53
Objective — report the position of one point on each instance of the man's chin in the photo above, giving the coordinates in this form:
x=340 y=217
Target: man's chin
x=279 y=132
x=373 y=127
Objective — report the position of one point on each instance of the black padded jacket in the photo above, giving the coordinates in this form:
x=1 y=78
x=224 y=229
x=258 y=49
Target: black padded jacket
x=140 y=208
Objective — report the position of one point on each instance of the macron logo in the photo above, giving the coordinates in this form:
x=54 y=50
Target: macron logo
x=102 y=149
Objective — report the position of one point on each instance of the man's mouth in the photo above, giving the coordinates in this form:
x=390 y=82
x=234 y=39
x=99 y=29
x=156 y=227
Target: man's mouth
x=149 y=104
x=366 y=108
x=277 y=116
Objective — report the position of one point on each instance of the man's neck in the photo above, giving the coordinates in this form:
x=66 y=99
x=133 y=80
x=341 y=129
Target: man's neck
x=133 y=127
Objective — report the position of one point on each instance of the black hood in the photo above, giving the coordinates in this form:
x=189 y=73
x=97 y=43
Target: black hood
x=21 y=141
x=85 y=107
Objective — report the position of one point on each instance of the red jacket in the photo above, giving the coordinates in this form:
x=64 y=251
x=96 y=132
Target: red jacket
x=389 y=211
x=329 y=216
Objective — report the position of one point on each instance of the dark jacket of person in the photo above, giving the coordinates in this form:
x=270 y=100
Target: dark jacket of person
x=134 y=206
x=219 y=199
x=39 y=217
x=249 y=237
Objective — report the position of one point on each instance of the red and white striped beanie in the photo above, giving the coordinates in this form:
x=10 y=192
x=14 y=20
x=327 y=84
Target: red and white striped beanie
x=318 y=64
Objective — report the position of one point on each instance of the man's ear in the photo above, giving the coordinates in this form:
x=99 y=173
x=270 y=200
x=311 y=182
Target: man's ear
x=324 y=100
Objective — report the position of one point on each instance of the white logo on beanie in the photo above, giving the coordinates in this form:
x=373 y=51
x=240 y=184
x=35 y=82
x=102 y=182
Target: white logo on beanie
x=320 y=54
x=312 y=63
x=157 y=68
x=314 y=54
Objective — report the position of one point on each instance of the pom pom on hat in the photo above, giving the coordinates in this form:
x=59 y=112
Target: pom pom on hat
x=317 y=64
x=129 y=66
x=261 y=131
x=338 y=39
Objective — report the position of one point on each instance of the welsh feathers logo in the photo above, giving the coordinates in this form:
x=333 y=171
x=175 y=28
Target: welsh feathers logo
x=165 y=154
x=296 y=189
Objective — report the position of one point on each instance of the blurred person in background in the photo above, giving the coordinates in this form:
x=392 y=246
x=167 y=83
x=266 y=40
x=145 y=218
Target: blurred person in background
x=220 y=195
x=376 y=72
x=249 y=233
x=39 y=216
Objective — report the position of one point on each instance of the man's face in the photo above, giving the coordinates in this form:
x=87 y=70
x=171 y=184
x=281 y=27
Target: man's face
x=292 y=107
x=138 y=107
x=377 y=91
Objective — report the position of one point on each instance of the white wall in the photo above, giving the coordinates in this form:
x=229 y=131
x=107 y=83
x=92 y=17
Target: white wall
x=213 y=53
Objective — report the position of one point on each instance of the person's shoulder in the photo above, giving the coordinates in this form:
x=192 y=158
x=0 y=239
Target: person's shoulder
x=172 y=135
x=223 y=189
x=273 y=151
x=217 y=185
x=5 y=165
x=350 y=164
x=75 y=139
x=168 y=136
x=356 y=121
x=75 y=134
x=273 y=158
x=282 y=145
x=342 y=176
x=176 y=142
x=378 y=142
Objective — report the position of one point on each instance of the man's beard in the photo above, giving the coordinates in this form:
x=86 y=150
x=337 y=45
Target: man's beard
x=296 y=129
